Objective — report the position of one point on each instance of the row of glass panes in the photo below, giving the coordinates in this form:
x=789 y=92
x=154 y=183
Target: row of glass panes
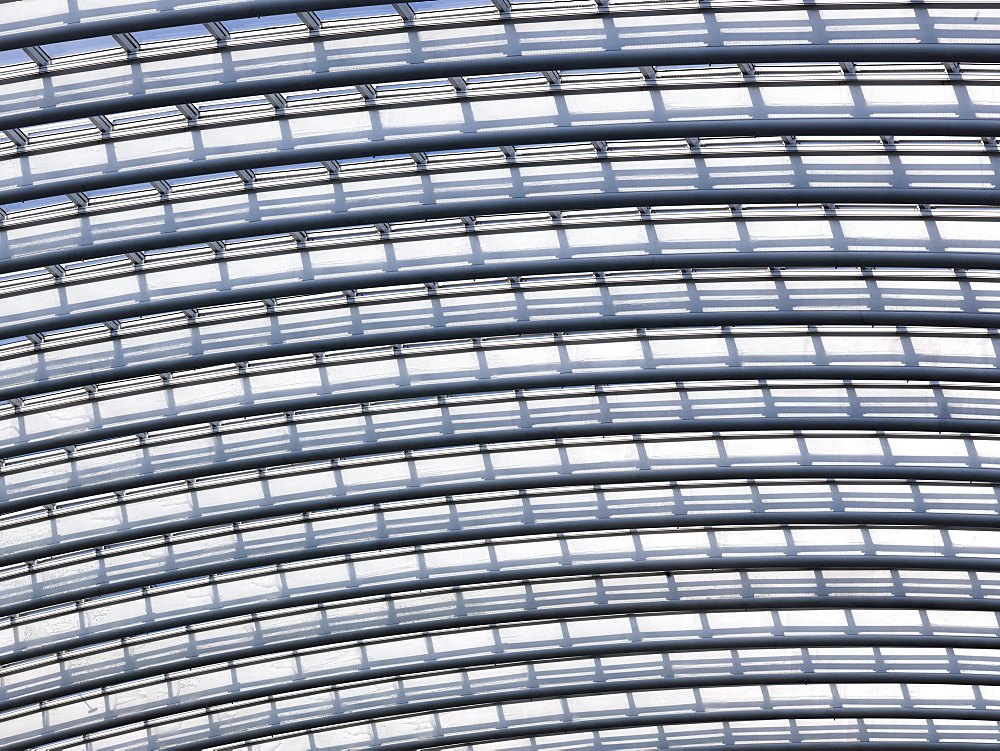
x=137 y=123
x=98 y=51
x=118 y=266
x=110 y=199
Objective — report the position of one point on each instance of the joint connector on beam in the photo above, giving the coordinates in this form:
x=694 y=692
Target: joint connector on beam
x=91 y=391
x=645 y=213
x=163 y=188
x=39 y=57
x=333 y=167
x=279 y=103
x=419 y=159
x=383 y=229
x=248 y=178
x=503 y=6
x=849 y=69
x=114 y=326
x=219 y=32
x=128 y=43
x=103 y=124
x=270 y=305
x=367 y=92
x=510 y=153
x=405 y=12
x=790 y=140
x=218 y=247
x=747 y=69
x=190 y=112
x=37 y=339
x=553 y=77
x=469 y=222
x=137 y=259
x=350 y=297
x=300 y=238
x=694 y=143
x=601 y=148
x=18 y=137
x=58 y=272
x=311 y=21
x=460 y=84
x=80 y=200
x=557 y=217
x=191 y=314
x=649 y=73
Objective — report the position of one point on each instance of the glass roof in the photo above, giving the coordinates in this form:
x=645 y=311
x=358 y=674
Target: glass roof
x=499 y=375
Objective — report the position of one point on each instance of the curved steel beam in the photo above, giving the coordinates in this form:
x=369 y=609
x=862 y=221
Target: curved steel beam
x=537 y=204
x=452 y=536
x=660 y=57
x=542 y=692
x=538 y=693
x=79 y=30
x=818 y=126
x=517 y=435
x=326 y=504
x=727 y=563
x=498 y=385
x=511 y=329
x=587 y=612
x=457 y=623
x=378 y=280
x=467 y=740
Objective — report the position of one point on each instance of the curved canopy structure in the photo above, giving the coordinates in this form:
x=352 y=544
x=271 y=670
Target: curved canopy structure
x=491 y=375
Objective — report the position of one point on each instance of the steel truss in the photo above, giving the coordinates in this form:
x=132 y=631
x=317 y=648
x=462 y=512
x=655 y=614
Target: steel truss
x=149 y=423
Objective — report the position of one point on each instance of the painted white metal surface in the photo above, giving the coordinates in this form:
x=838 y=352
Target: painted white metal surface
x=416 y=482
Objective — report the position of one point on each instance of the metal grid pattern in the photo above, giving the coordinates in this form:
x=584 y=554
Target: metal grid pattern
x=499 y=375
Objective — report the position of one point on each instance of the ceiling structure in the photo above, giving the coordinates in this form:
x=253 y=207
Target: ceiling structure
x=499 y=375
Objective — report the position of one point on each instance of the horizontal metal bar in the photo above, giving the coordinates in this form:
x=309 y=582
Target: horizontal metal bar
x=465 y=740
x=840 y=127
x=496 y=437
x=484 y=207
x=728 y=563
x=325 y=504
x=658 y=57
x=378 y=280
x=453 y=536
x=496 y=385
x=454 y=624
x=543 y=692
x=598 y=651
x=317 y=345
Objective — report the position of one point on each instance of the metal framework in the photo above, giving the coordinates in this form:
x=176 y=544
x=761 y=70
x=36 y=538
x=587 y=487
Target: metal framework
x=495 y=375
